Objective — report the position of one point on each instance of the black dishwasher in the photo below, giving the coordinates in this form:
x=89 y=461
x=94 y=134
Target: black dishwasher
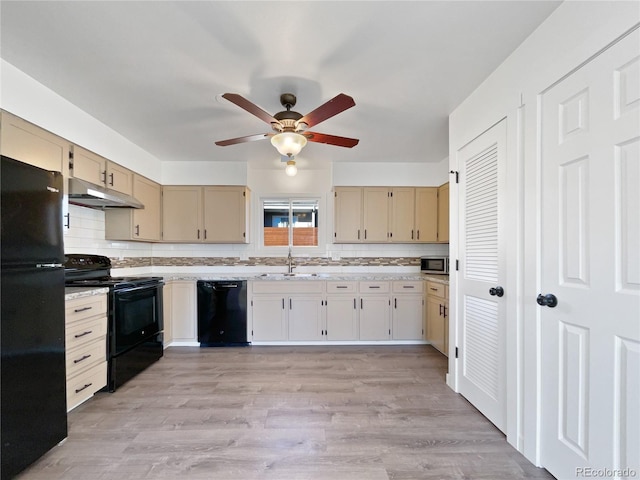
x=222 y=313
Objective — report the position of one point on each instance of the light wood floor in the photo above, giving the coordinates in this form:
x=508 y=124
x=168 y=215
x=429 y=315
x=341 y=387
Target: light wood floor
x=285 y=413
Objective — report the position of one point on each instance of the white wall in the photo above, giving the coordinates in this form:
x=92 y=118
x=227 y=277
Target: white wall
x=391 y=174
x=570 y=36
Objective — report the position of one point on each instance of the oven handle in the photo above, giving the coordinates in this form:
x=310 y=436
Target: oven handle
x=224 y=285
x=139 y=289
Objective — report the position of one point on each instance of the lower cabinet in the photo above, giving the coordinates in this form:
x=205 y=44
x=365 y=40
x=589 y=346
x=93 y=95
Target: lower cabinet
x=341 y=310
x=407 y=310
x=85 y=347
x=181 y=316
x=437 y=316
x=375 y=310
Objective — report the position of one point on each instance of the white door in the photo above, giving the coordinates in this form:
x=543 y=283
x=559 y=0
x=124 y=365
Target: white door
x=481 y=305
x=590 y=261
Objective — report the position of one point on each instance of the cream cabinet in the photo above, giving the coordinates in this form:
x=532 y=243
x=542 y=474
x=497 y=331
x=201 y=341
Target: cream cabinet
x=407 y=310
x=31 y=144
x=214 y=214
x=437 y=316
x=375 y=310
x=85 y=347
x=287 y=311
x=183 y=312
x=386 y=214
x=341 y=310
x=96 y=169
x=426 y=214
x=443 y=213
x=167 y=311
x=347 y=214
x=137 y=223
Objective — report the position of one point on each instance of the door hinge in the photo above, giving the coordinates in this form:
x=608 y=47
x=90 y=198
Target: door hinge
x=457 y=175
x=335 y=194
x=70 y=160
x=457 y=264
x=456 y=352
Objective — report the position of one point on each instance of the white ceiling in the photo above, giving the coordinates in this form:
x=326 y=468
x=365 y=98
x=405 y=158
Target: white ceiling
x=153 y=70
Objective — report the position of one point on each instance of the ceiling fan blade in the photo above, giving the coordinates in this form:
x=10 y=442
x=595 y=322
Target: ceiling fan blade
x=331 y=139
x=336 y=105
x=250 y=107
x=248 y=138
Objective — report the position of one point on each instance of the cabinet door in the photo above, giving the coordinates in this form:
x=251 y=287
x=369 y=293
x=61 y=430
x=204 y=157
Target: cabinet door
x=342 y=317
x=181 y=214
x=146 y=221
x=225 y=214
x=426 y=222
x=435 y=323
x=375 y=217
x=119 y=178
x=269 y=318
x=305 y=318
x=31 y=144
x=167 y=311
x=183 y=311
x=402 y=214
x=89 y=166
x=443 y=213
x=407 y=317
x=374 y=318
x=348 y=215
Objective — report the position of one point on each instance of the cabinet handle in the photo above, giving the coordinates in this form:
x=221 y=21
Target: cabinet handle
x=365 y=233
x=205 y=233
x=411 y=234
x=283 y=303
x=418 y=235
x=341 y=286
x=198 y=234
x=407 y=286
x=83 y=334
x=440 y=309
x=137 y=230
x=84 y=309
x=104 y=177
x=68 y=217
x=111 y=179
x=374 y=286
x=86 y=385
x=444 y=308
x=358 y=234
x=361 y=307
x=433 y=289
x=354 y=304
x=290 y=304
x=84 y=357
x=395 y=303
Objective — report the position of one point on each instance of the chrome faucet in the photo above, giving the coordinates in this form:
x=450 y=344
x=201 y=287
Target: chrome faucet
x=290 y=261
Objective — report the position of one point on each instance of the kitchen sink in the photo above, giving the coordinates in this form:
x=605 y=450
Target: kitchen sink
x=293 y=275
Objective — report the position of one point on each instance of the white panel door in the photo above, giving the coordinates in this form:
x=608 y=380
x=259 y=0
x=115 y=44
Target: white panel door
x=590 y=263
x=481 y=306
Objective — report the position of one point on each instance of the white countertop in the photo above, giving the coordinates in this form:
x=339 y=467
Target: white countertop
x=306 y=277
x=78 y=292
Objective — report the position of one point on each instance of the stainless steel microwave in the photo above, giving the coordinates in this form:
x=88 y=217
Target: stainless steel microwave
x=435 y=265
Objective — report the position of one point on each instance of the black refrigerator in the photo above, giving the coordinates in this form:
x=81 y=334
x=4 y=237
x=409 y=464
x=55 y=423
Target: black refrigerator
x=33 y=413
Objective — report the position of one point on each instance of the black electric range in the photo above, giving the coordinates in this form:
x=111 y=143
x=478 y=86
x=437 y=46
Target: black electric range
x=135 y=316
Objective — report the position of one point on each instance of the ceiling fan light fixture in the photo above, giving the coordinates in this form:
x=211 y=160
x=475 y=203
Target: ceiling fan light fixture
x=291 y=168
x=289 y=143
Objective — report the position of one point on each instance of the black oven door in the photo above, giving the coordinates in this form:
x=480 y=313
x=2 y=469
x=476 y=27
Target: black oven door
x=137 y=316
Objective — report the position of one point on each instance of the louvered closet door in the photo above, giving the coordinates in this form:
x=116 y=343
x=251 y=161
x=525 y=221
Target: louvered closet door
x=481 y=341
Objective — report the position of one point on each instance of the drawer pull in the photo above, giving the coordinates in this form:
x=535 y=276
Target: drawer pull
x=374 y=286
x=86 y=385
x=83 y=334
x=84 y=309
x=433 y=289
x=408 y=286
x=84 y=357
x=341 y=286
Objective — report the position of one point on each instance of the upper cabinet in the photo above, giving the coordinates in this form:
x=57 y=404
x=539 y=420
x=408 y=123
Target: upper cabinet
x=30 y=144
x=137 y=223
x=212 y=214
x=387 y=214
x=93 y=168
x=443 y=213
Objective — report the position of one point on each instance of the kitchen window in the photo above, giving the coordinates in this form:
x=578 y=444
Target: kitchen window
x=290 y=222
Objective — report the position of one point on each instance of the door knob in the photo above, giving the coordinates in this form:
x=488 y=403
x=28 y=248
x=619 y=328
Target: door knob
x=548 y=300
x=496 y=291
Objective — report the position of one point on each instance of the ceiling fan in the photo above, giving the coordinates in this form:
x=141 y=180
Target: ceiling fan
x=290 y=127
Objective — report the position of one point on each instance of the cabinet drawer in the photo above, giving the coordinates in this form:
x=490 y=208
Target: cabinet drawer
x=85 y=307
x=373 y=287
x=286 y=287
x=341 y=287
x=408 y=286
x=84 y=332
x=83 y=386
x=80 y=358
x=436 y=289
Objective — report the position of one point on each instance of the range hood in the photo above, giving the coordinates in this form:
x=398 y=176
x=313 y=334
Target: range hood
x=90 y=195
